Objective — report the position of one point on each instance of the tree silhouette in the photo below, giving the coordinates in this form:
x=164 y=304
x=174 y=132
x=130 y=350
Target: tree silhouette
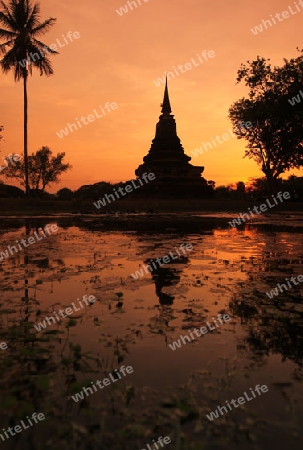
x=275 y=139
x=43 y=169
x=22 y=50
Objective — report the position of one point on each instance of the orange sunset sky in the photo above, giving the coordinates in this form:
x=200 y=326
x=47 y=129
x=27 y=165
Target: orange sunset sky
x=117 y=58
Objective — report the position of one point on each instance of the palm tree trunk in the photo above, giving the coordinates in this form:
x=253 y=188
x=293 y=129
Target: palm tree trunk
x=25 y=131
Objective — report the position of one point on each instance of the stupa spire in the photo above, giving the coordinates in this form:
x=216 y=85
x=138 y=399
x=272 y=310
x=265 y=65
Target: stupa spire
x=174 y=175
x=166 y=109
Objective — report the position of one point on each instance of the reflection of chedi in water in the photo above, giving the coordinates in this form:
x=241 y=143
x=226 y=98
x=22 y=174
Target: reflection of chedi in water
x=167 y=160
x=164 y=276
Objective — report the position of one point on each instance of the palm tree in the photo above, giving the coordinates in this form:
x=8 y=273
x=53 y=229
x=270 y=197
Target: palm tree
x=22 y=50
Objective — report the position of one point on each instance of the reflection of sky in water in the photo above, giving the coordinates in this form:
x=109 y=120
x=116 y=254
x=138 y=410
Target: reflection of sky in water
x=222 y=265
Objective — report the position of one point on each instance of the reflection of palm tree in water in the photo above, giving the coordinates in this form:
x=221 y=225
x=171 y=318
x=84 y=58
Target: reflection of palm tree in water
x=26 y=298
x=28 y=228
x=22 y=383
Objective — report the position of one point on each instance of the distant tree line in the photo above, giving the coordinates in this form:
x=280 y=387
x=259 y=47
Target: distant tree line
x=257 y=189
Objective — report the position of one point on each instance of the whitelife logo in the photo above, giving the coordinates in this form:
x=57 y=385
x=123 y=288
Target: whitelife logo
x=296 y=99
x=18 y=428
x=68 y=311
x=186 y=67
x=128 y=188
x=271 y=21
x=33 y=57
x=90 y=118
x=105 y=381
x=263 y=208
x=13 y=157
x=124 y=9
x=31 y=240
x=203 y=330
x=225 y=137
x=3 y=345
x=166 y=440
x=240 y=400
x=274 y=292
x=166 y=260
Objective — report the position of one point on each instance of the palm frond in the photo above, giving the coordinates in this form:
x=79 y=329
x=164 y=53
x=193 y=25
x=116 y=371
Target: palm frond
x=7 y=34
x=6 y=17
x=22 y=50
x=42 y=47
x=42 y=28
x=8 y=61
x=3 y=46
x=48 y=49
x=45 y=67
x=34 y=16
